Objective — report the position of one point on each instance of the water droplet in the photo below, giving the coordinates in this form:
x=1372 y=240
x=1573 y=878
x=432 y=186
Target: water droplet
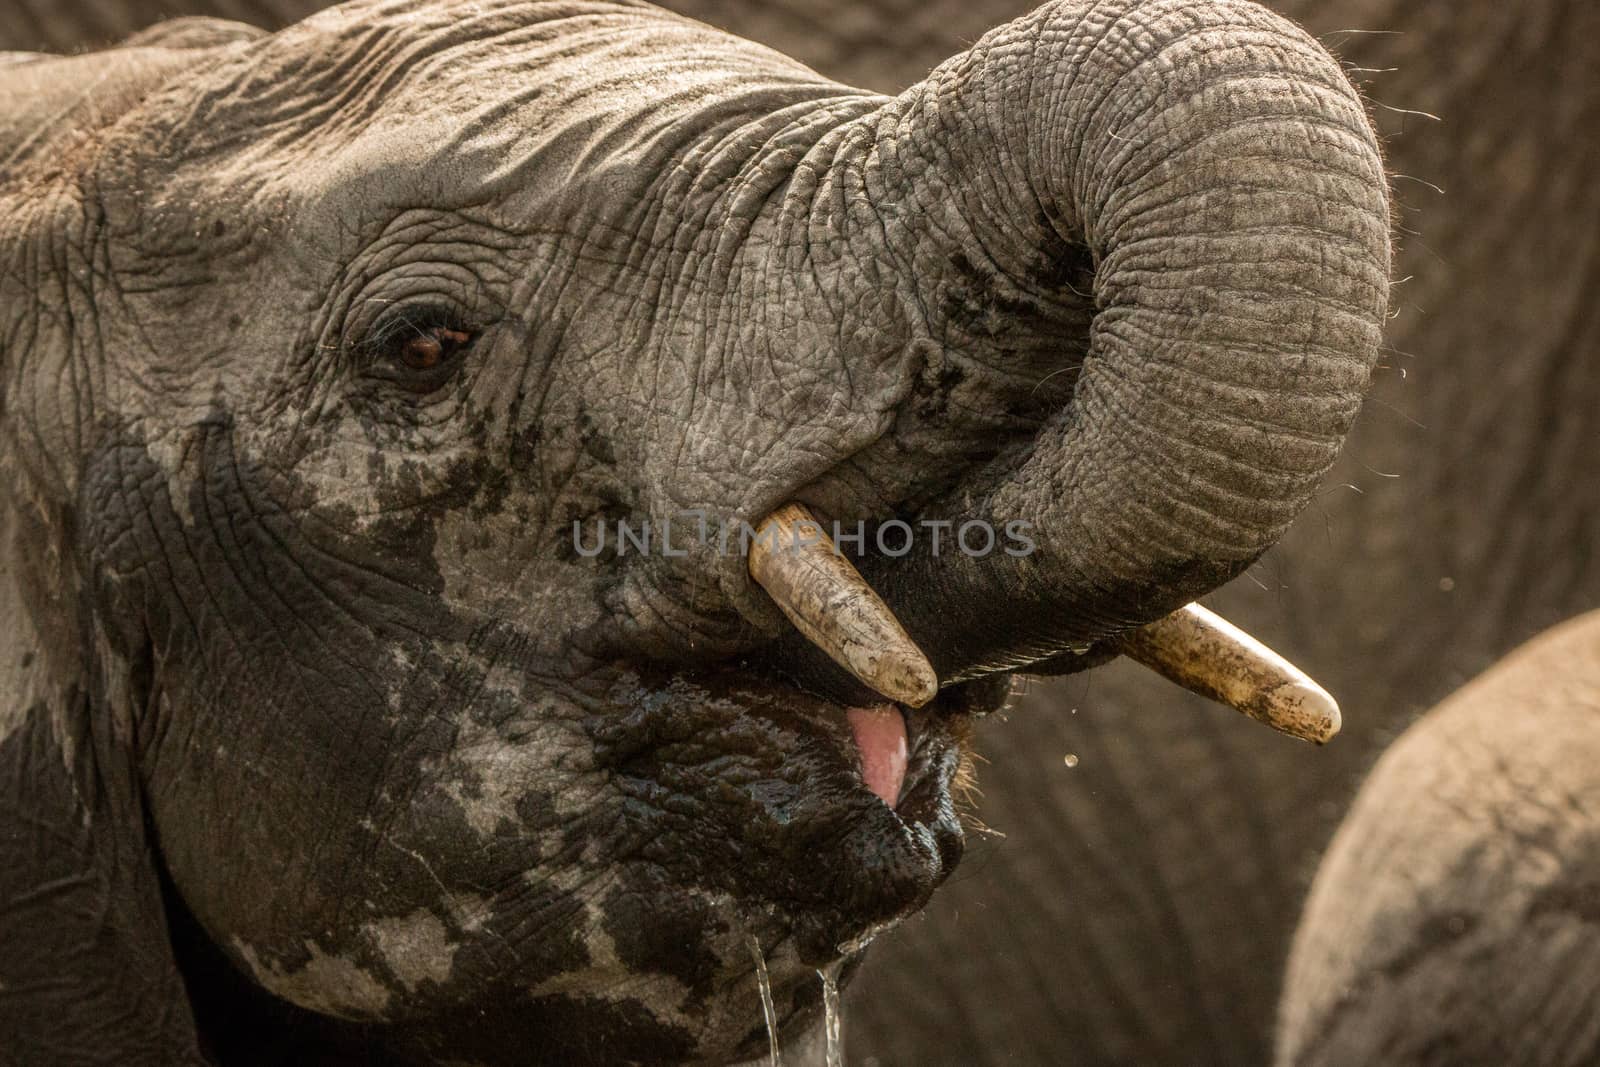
x=832 y=1022
x=768 y=1009
x=1070 y=760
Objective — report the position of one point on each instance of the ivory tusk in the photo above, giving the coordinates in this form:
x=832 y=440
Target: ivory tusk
x=1206 y=654
x=833 y=606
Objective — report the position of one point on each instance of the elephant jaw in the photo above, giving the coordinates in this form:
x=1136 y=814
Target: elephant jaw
x=837 y=611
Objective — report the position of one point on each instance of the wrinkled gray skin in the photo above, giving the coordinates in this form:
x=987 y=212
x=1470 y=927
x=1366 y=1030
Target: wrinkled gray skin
x=1456 y=916
x=1141 y=906
x=321 y=741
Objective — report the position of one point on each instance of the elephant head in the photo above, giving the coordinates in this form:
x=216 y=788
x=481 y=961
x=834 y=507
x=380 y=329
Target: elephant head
x=328 y=352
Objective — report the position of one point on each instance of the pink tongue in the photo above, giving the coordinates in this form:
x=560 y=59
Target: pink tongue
x=881 y=737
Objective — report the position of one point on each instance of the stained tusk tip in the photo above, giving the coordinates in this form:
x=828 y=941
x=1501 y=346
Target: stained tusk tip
x=1206 y=654
x=908 y=679
x=1313 y=707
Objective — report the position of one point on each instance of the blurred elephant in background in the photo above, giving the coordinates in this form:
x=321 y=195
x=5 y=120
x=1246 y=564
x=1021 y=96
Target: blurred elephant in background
x=1456 y=916
x=1141 y=904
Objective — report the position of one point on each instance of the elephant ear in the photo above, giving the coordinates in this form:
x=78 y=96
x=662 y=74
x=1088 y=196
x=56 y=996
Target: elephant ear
x=87 y=972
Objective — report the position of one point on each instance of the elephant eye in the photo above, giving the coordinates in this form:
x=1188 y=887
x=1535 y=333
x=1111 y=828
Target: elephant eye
x=417 y=354
x=428 y=349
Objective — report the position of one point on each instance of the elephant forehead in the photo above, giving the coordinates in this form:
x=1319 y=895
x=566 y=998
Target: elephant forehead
x=426 y=89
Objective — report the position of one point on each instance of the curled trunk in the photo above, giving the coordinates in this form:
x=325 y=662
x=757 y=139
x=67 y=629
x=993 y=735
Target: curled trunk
x=1162 y=225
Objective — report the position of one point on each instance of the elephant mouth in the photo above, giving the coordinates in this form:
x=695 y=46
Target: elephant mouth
x=821 y=823
x=811 y=785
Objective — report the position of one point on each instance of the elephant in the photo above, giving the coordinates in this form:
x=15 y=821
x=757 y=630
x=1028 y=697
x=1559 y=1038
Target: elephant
x=1468 y=930
x=1141 y=904
x=328 y=739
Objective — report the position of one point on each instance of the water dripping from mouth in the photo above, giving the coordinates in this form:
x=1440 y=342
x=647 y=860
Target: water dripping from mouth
x=858 y=944
x=768 y=1009
x=832 y=1021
